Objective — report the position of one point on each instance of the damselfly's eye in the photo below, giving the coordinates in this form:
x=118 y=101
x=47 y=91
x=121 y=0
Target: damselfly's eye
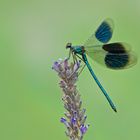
x=68 y=45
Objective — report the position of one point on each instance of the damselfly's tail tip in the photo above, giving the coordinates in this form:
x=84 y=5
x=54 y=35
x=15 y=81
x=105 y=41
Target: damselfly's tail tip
x=115 y=110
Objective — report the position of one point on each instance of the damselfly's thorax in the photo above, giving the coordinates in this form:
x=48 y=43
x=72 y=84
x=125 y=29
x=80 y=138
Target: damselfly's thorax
x=78 y=49
x=75 y=49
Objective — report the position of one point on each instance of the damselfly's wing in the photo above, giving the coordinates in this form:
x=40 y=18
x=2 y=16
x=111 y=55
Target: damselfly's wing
x=115 y=55
x=102 y=35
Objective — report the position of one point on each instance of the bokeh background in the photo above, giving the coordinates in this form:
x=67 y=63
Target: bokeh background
x=33 y=34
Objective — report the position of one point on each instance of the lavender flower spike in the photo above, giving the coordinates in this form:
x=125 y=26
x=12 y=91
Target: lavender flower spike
x=74 y=116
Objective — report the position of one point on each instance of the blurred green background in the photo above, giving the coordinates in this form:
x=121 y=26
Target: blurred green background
x=33 y=34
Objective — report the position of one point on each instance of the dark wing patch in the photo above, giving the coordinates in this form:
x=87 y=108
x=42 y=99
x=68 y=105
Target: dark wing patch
x=115 y=48
x=117 y=55
x=104 y=32
x=116 y=61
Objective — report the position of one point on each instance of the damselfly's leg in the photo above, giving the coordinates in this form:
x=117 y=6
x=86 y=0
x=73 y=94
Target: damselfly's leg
x=74 y=61
x=83 y=66
x=81 y=69
x=69 y=54
x=79 y=57
x=73 y=57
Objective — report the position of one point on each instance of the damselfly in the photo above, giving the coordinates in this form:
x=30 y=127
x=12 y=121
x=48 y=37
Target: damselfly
x=115 y=56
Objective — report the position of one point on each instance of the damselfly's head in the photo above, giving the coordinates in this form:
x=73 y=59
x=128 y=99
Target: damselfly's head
x=68 y=45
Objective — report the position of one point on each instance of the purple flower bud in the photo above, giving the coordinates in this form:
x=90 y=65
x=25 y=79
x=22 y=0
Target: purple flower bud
x=84 y=128
x=63 y=120
x=73 y=121
x=55 y=66
x=62 y=84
